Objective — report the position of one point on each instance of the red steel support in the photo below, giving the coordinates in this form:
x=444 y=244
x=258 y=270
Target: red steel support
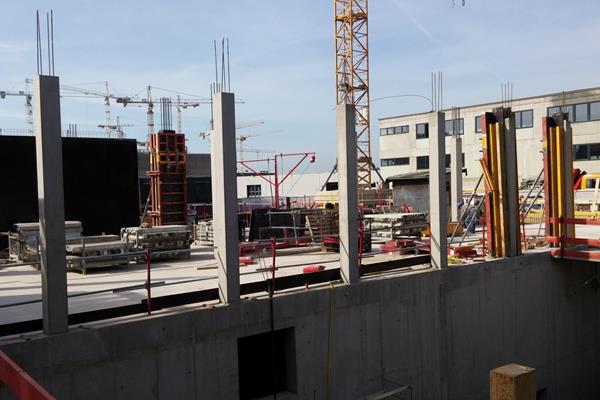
x=20 y=382
x=276 y=183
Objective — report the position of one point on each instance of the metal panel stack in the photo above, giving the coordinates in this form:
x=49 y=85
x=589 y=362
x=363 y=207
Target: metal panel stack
x=396 y=225
x=24 y=242
x=103 y=250
x=166 y=239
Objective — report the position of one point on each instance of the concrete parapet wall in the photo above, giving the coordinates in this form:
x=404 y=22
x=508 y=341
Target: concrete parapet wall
x=439 y=331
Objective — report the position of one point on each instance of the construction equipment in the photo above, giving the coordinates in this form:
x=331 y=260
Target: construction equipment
x=559 y=196
x=396 y=225
x=24 y=241
x=180 y=104
x=28 y=105
x=241 y=139
x=168 y=173
x=117 y=128
x=352 y=75
x=161 y=239
x=96 y=252
x=277 y=159
x=499 y=165
x=94 y=93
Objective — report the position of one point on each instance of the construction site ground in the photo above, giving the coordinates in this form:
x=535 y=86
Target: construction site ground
x=23 y=283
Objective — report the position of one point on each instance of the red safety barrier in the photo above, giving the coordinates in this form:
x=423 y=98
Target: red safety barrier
x=20 y=382
x=246 y=260
x=561 y=241
x=312 y=268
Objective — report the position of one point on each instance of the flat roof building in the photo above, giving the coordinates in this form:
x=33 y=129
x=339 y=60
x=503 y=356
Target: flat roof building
x=404 y=143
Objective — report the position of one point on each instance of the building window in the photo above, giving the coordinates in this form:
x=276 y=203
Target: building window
x=478 y=124
x=394 y=130
x=595 y=111
x=449 y=160
x=422 y=162
x=393 y=162
x=422 y=131
x=455 y=126
x=583 y=152
x=582 y=112
x=524 y=119
x=253 y=191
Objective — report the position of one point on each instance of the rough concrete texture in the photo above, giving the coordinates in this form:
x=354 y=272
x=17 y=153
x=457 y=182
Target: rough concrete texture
x=51 y=203
x=440 y=331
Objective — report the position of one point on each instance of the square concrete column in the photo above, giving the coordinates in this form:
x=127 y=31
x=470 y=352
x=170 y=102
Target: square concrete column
x=224 y=197
x=438 y=215
x=347 y=191
x=510 y=187
x=456 y=168
x=48 y=147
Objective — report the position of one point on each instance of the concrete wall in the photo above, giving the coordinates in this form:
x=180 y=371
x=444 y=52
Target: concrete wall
x=439 y=331
x=529 y=146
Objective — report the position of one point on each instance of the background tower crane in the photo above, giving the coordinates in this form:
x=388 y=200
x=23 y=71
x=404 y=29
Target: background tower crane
x=78 y=92
x=352 y=75
x=28 y=105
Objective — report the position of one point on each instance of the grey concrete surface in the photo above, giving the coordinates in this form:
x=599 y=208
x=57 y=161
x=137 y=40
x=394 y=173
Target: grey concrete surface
x=509 y=191
x=438 y=214
x=224 y=194
x=347 y=191
x=51 y=205
x=440 y=331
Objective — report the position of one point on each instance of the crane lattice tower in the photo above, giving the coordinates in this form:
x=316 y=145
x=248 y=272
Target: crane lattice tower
x=352 y=75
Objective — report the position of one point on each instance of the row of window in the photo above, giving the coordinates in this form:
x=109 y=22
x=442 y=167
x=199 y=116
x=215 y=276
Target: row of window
x=394 y=130
x=455 y=126
x=422 y=161
x=582 y=112
x=523 y=119
x=581 y=152
x=589 y=151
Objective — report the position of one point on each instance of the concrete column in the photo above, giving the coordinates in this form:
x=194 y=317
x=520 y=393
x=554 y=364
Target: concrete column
x=456 y=168
x=48 y=146
x=347 y=192
x=438 y=215
x=510 y=188
x=224 y=197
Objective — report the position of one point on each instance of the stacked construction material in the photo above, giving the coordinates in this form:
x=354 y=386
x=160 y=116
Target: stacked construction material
x=100 y=251
x=164 y=241
x=24 y=241
x=321 y=223
x=396 y=225
x=204 y=232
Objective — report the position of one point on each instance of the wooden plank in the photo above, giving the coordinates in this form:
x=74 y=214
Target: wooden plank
x=512 y=382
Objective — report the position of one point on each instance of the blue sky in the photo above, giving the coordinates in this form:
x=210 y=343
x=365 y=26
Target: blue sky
x=282 y=61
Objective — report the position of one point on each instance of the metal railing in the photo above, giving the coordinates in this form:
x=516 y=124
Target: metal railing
x=20 y=382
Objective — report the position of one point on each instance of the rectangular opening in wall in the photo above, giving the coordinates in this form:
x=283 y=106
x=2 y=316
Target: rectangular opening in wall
x=267 y=364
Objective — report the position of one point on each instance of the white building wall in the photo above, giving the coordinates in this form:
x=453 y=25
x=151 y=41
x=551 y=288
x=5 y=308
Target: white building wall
x=296 y=185
x=529 y=145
